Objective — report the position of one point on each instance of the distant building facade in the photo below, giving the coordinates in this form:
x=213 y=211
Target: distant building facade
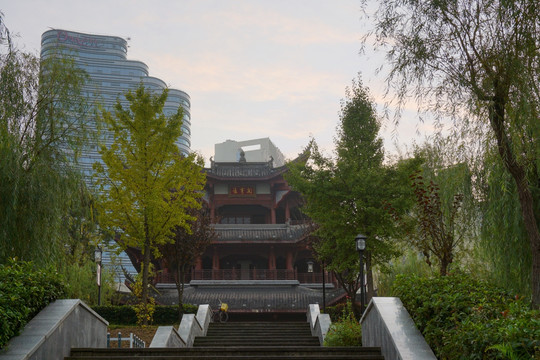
x=111 y=74
x=258 y=150
x=262 y=235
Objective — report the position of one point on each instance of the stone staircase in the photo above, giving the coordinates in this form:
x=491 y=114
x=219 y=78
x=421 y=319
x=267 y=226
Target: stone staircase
x=257 y=334
x=242 y=340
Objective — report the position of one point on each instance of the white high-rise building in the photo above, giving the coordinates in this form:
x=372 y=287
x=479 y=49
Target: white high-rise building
x=111 y=74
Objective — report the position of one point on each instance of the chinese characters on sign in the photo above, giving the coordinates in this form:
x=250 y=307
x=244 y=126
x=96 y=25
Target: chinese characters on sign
x=83 y=41
x=241 y=191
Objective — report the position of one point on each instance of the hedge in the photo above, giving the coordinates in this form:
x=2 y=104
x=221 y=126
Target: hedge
x=125 y=314
x=462 y=318
x=24 y=292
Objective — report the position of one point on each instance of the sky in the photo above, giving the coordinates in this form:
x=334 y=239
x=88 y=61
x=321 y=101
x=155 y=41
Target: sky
x=253 y=68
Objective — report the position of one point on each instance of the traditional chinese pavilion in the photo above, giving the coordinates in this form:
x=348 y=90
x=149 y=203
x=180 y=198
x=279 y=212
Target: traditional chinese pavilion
x=261 y=232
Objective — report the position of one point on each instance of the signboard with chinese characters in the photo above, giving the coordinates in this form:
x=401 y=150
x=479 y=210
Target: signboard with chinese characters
x=83 y=41
x=242 y=190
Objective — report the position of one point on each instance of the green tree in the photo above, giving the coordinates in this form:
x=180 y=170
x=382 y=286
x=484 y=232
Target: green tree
x=445 y=215
x=188 y=244
x=477 y=61
x=503 y=244
x=349 y=194
x=41 y=108
x=146 y=184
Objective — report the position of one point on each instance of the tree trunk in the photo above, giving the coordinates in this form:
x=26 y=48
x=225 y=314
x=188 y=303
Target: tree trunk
x=519 y=174
x=180 y=288
x=349 y=288
x=146 y=270
x=369 y=275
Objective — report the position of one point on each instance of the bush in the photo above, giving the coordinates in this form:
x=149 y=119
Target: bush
x=125 y=314
x=24 y=292
x=336 y=311
x=409 y=263
x=345 y=332
x=462 y=318
x=79 y=274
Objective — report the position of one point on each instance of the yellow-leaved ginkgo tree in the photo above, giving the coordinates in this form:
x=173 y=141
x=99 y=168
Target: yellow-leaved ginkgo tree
x=146 y=185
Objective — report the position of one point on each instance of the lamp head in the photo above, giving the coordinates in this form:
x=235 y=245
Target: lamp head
x=310 y=266
x=97 y=254
x=360 y=242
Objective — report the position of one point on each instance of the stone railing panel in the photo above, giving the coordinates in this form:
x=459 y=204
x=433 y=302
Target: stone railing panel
x=167 y=336
x=387 y=324
x=319 y=323
x=52 y=333
x=204 y=316
x=189 y=328
x=322 y=325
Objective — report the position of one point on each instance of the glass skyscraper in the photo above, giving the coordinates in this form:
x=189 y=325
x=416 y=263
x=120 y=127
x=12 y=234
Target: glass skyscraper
x=111 y=74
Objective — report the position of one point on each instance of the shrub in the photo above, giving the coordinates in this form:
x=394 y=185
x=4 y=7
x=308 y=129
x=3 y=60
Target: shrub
x=461 y=318
x=345 y=332
x=168 y=315
x=409 y=263
x=126 y=315
x=79 y=274
x=336 y=311
x=24 y=292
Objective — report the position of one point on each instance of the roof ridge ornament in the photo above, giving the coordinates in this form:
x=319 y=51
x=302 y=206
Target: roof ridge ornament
x=242 y=156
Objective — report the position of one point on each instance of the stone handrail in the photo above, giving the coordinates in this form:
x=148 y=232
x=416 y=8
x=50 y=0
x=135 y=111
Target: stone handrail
x=167 y=336
x=387 y=324
x=191 y=325
x=52 y=333
x=319 y=323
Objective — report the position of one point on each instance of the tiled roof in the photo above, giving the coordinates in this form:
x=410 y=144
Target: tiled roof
x=263 y=232
x=242 y=169
x=248 y=298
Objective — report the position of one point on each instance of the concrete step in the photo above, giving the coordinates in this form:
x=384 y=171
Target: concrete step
x=268 y=353
x=236 y=356
x=244 y=341
x=257 y=334
x=258 y=342
x=226 y=327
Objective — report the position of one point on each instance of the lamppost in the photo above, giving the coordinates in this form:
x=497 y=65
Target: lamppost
x=323 y=287
x=97 y=257
x=360 y=247
x=310 y=270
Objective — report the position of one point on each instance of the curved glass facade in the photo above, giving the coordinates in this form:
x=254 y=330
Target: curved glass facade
x=104 y=58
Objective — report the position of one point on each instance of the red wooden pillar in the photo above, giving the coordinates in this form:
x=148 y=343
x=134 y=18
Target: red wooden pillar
x=271 y=259
x=287 y=211
x=273 y=214
x=272 y=263
x=197 y=270
x=215 y=264
x=290 y=269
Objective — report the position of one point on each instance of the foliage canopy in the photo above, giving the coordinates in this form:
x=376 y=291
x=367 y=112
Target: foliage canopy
x=477 y=62
x=146 y=184
x=42 y=119
x=349 y=194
